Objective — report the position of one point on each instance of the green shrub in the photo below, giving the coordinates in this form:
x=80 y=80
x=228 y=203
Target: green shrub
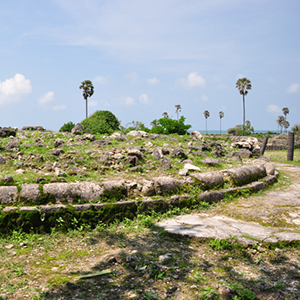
x=67 y=127
x=101 y=122
x=168 y=126
x=135 y=125
x=238 y=130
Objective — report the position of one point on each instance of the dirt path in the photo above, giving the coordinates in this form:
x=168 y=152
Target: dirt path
x=271 y=216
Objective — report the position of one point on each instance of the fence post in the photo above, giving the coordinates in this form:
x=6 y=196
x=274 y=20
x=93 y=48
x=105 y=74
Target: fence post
x=290 y=150
x=263 y=146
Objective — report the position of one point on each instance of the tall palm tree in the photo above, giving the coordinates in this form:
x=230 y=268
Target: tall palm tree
x=165 y=115
x=178 y=109
x=243 y=85
x=88 y=91
x=286 y=125
x=285 y=111
x=221 y=115
x=206 y=115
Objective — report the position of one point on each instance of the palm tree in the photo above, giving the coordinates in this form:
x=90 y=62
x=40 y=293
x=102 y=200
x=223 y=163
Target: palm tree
x=165 y=115
x=280 y=121
x=243 y=85
x=221 y=115
x=178 y=109
x=286 y=125
x=88 y=91
x=248 y=123
x=206 y=115
x=285 y=111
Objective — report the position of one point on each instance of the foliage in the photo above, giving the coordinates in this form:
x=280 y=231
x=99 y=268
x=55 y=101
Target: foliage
x=238 y=130
x=135 y=125
x=88 y=91
x=101 y=122
x=296 y=128
x=67 y=127
x=168 y=126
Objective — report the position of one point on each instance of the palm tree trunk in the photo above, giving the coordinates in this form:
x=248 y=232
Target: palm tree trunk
x=206 y=124
x=220 y=125
x=243 y=113
x=86 y=108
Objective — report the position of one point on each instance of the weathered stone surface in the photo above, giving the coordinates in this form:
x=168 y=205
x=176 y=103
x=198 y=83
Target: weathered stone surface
x=8 y=194
x=112 y=186
x=33 y=128
x=197 y=136
x=77 y=129
x=191 y=167
x=211 y=197
x=88 y=191
x=101 y=143
x=138 y=133
x=165 y=163
x=7 y=179
x=30 y=192
x=183 y=172
x=174 y=200
x=210 y=161
x=208 y=180
x=131 y=160
x=82 y=207
x=177 y=152
x=2 y=160
x=270 y=169
x=12 y=145
x=246 y=174
x=157 y=153
x=135 y=152
x=245 y=153
x=153 y=204
x=164 y=184
x=59 y=142
x=148 y=188
x=49 y=209
x=270 y=179
x=6 y=132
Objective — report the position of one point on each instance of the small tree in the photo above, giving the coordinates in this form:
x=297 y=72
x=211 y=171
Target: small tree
x=168 y=126
x=178 y=109
x=206 y=115
x=67 y=127
x=88 y=91
x=221 y=115
x=243 y=85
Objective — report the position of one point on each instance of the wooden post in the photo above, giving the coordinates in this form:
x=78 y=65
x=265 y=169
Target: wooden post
x=290 y=152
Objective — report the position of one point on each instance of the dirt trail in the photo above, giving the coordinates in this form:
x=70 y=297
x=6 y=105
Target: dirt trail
x=271 y=216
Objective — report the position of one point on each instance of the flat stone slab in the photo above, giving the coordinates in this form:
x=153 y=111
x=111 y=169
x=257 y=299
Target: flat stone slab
x=221 y=227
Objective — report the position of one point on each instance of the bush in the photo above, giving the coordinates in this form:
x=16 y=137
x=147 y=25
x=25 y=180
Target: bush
x=238 y=130
x=168 y=126
x=67 y=127
x=135 y=126
x=101 y=122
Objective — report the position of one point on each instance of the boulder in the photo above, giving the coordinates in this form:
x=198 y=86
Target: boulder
x=134 y=152
x=197 y=136
x=270 y=169
x=7 y=179
x=165 y=163
x=148 y=188
x=138 y=133
x=179 y=153
x=30 y=192
x=77 y=129
x=245 y=153
x=12 y=145
x=157 y=153
x=6 y=132
x=31 y=128
x=2 y=160
x=210 y=161
x=58 y=143
x=210 y=197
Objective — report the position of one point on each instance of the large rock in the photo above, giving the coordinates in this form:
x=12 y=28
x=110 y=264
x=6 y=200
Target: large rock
x=138 y=133
x=208 y=180
x=148 y=188
x=12 y=145
x=2 y=160
x=6 y=132
x=58 y=143
x=157 y=153
x=197 y=136
x=77 y=129
x=210 y=161
x=178 y=152
x=31 y=128
x=244 y=142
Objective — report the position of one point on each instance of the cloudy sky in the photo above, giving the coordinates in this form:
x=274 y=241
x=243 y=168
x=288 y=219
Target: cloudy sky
x=146 y=56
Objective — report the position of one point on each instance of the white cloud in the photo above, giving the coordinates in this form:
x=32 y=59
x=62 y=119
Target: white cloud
x=92 y=103
x=192 y=80
x=101 y=80
x=153 y=80
x=144 y=99
x=14 y=88
x=204 y=98
x=273 y=108
x=294 y=88
x=128 y=101
x=47 y=98
x=59 y=107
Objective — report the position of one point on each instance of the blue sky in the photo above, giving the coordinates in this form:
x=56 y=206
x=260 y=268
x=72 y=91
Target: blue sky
x=146 y=56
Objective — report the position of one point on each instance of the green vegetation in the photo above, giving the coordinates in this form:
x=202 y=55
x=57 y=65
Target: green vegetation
x=241 y=130
x=169 y=126
x=67 y=127
x=101 y=122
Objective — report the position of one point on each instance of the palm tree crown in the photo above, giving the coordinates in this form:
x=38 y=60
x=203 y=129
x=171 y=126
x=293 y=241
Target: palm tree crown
x=243 y=85
x=221 y=115
x=178 y=109
x=206 y=115
x=88 y=91
x=285 y=111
